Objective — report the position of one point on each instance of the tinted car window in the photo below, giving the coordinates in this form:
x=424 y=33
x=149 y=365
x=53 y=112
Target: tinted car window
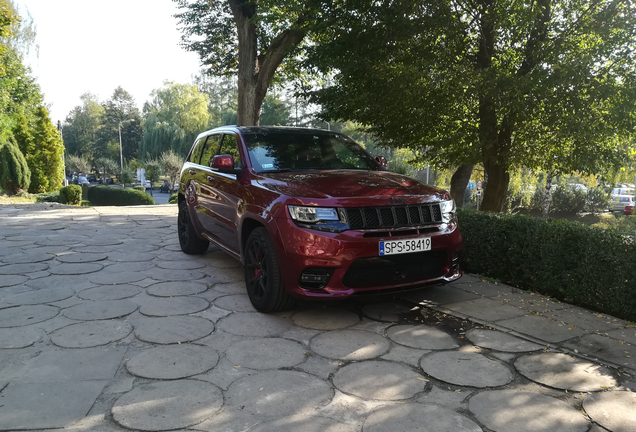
x=230 y=147
x=300 y=152
x=195 y=155
x=210 y=149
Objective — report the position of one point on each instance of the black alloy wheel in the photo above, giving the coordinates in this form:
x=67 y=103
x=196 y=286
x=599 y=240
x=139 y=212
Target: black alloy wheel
x=188 y=240
x=262 y=274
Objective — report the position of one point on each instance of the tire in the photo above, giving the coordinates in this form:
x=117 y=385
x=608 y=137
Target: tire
x=188 y=240
x=262 y=274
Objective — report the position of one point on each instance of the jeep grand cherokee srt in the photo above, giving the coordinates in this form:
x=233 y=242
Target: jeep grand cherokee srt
x=311 y=214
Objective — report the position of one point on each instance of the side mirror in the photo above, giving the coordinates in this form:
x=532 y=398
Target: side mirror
x=381 y=160
x=225 y=164
x=222 y=162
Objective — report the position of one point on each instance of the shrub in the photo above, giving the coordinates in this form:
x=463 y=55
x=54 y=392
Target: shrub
x=568 y=200
x=597 y=200
x=48 y=197
x=139 y=188
x=71 y=194
x=173 y=198
x=14 y=171
x=566 y=260
x=104 y=195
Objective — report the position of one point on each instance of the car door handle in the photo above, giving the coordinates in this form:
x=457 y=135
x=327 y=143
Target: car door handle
x=192 y=172
x=210 y=178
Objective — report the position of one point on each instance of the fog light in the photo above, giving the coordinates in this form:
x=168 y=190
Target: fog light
x=315 y=277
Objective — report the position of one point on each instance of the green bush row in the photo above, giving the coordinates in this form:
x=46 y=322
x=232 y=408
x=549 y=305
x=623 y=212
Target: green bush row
x=104 y=195
x=587 y=266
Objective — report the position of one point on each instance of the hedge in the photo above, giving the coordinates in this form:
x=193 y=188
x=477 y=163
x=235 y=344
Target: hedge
x=104 y=195
x=566 y=260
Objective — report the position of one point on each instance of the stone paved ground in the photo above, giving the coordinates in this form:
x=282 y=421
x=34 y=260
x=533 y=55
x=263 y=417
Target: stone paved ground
x=106 y=326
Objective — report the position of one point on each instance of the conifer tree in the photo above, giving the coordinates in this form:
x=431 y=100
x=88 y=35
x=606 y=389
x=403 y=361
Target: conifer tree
x=14 y=171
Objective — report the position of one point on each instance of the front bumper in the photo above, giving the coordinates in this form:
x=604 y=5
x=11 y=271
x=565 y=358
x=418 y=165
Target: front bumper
x=353 y=262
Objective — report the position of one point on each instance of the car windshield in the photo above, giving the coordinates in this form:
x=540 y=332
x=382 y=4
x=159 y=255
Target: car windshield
x=289 y=151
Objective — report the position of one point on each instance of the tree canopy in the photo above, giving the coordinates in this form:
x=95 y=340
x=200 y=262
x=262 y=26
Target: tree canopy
x=174 y=116
x=24 y=119
x=507 y=84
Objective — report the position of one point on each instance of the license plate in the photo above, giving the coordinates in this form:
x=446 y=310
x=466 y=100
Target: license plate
x=394 y=247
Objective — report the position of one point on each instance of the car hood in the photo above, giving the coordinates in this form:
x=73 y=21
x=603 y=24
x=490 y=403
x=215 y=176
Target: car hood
x=350 y=184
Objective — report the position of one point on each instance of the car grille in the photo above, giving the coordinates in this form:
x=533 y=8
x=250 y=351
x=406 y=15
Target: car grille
x=393 y=216
x=395 y=269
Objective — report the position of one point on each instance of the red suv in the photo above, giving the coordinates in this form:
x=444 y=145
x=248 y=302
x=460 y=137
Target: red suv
x=311 y=214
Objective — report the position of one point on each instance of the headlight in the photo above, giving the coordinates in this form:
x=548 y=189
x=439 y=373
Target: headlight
x=320 y=218
x=449 y=210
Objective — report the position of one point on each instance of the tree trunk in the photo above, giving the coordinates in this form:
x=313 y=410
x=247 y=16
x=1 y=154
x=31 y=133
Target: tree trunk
x=458 y=183
x=497 y=186
x=247 y=63
x=546 y=198
x=255 y=72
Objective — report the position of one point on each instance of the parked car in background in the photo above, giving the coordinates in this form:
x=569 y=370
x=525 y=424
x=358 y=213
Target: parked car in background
x=623 y=190
x=311 y=214
x=91 y=178
x=620 y=202
x=146 y=183
x=81 y=179
x=105 y=180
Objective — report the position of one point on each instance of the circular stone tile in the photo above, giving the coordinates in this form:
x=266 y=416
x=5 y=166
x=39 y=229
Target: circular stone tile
x=173 y=361
x=108 y=278
x=20 y=337
x=40 y=296
x=522 y=411
x=76 y=281
x=304 y=424
x=90 y=334
x=25 y=315
x=110 y=292
x=75 y=269
x=161 y=307
x=180 y=265
x=7 y=281
x=325 y=318
x=615 y=411
x=349 y=345
x=565 y=372
x=270 y=353
x=172 y=330
x=100 y=310
x=31 y=257
x=102 y=242
x=238 y=303
x=390 y=312
x=130 y=267
x=253 y=324
x=421 y=336
x=176 y=275
x=418 y=417
x=379 y=380
x=466 y=369
x=230 y=288
x=16 y=269
x=168 y=405
x=130 y=256
x=171 y=289
x=499 y=341
x=81 y=257
x=279 y=393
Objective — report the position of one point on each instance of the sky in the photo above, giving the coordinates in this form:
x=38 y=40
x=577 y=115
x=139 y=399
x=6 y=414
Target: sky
x=95 y=46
